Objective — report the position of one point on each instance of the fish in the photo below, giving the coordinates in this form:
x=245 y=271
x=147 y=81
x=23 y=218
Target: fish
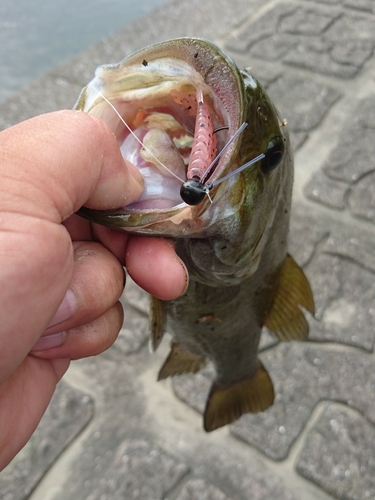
x=217 y=165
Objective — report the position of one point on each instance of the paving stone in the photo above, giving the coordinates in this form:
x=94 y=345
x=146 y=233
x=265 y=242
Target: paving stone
x=366 y=5
x=264 y=28
x=324 y=276
x=263 y=486
x=350 y=162
x=138 y=469
x=362 y=199
x=303 y=375
x=339 y=454
x=136 y=296
x=330 y=42
x=197 y=489
x=352 y=159
x=352 y=44
x=304 y=103
x=331 y=193
x=304 y=235
x=306 y=22
x=344 y=295
x=353 y=249
x=67 y=415
x=193 y=389
x=134 y=333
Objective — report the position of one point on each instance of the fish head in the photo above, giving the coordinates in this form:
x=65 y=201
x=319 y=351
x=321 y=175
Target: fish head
x=150 y=102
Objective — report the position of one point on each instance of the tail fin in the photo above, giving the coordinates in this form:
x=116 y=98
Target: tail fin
x=226 y=403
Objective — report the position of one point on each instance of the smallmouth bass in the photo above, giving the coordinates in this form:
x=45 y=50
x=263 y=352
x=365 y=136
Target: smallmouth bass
x=174 y=107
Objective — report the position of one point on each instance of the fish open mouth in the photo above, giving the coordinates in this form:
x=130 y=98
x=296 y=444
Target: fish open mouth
x=170 y=115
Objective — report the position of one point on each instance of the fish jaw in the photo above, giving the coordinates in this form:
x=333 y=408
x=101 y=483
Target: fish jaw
x=158 y=86
x=233 y=224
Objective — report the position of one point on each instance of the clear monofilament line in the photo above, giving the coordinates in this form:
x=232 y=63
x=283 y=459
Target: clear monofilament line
x=133 y=134
x=235 y=135
x=237 y=171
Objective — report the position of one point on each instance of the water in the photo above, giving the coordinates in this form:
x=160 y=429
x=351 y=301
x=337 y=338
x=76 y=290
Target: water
x=38 y=35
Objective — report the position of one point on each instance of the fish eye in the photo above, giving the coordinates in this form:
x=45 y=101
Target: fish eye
x=273 y=154
x=193 y=191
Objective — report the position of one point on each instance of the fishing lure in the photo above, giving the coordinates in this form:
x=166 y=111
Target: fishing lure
x=193 y=190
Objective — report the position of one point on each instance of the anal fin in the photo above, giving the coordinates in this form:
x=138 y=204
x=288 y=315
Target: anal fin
x=179 y=361
x=226 y=403
x=286 y=320
x=157 y=322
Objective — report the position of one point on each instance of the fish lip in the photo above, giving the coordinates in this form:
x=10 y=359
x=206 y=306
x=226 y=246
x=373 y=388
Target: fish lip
x=211 y=63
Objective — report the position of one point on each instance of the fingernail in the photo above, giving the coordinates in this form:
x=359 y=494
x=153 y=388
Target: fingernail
x=66 y=309
x=186 y=277
x=134 y=172
x=49 y=341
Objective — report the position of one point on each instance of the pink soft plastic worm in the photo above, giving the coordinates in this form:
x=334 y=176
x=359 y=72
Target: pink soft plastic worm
x=204 y=147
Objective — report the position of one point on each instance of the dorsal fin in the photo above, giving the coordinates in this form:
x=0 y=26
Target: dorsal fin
x=226 y=403
x=286 y=319
x=157 y=322
x=180 y=360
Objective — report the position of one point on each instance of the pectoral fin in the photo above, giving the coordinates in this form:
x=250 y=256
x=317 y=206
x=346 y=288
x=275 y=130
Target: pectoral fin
x=179 y=361
x=286 y=320
x=226 y=403
x=157 y=322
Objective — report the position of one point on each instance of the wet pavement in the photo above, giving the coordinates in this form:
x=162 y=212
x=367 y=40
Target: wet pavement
x=111 y=431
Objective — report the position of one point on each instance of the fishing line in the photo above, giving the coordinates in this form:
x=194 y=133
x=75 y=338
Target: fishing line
x=210 y=185
x=235 y=135
x=193 y=190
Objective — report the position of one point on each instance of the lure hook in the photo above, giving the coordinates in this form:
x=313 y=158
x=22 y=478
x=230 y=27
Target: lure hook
x=194 y=190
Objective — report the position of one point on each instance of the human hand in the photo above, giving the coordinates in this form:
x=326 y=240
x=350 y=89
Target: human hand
x=61 y=276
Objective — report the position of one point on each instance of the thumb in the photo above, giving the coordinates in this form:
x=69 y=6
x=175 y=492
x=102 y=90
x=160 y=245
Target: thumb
x=62 y=161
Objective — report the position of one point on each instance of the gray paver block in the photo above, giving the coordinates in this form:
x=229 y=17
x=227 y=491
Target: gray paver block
x=136 y=297
x=329 y=42
x=339 y=454
x=304 y=103
x=198 y=489
x=303 y=375
x=351 y=160
x=344 y=296
x=135 y=331
x=261 y=485
x=351 y=248
x=331 y=193
x=347 y=177
x=362 y=200
x=304 y=235
x=67 y=415
x=137 y=470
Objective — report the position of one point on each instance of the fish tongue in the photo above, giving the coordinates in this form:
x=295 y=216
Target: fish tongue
x=160 y=150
